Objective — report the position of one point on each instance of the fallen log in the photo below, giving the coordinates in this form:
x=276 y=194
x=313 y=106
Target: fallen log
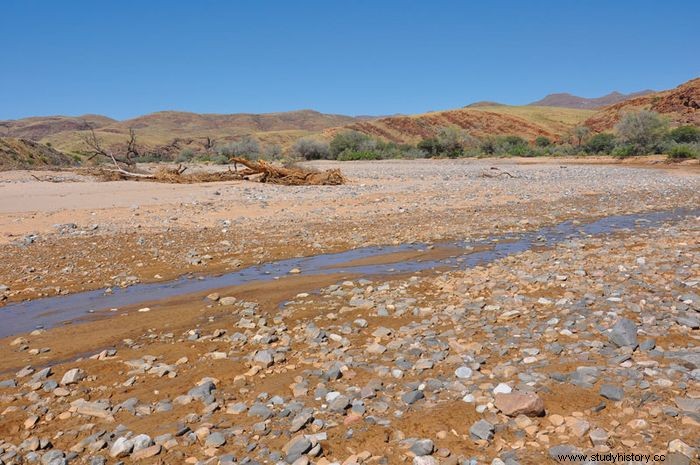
x=291 y=176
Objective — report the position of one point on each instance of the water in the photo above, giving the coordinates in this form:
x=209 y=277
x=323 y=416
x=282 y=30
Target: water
x=52 y=311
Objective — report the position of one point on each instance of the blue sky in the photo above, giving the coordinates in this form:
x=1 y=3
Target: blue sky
x=126 y=58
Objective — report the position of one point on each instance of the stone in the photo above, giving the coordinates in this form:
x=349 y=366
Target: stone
x=264 y=358
x=624 y=333
x=520 y=403
x=423 y=447
x=678 y=446
x=147 y=452
x=463 y=372
x=296 y=447
x=227 y=301
x=72 y=376
x=412 y=397
x=614 y=393
x=482 y=429
x=122 y=447
x=598 y=437
x=215 y=440
x=425 y=460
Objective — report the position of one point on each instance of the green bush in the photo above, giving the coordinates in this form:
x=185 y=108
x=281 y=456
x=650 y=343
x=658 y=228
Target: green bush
x=685 y=134
x=185 y=155
x=642 y=132
x=684 y=151
x=600 y=143
x=311 y=149
x=542 y=141
x=624 y=151
x=351 y=141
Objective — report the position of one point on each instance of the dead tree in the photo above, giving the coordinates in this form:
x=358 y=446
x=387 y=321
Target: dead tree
x=121 y=161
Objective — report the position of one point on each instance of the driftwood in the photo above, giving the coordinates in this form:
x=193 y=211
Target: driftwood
x=495 y=172
x=295 y=176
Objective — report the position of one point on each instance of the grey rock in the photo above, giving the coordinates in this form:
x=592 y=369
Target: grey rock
x=412 y=397
x=614 y=393
x=215 y=440
x=423 y=447
x=624 y=333
x=482 y=429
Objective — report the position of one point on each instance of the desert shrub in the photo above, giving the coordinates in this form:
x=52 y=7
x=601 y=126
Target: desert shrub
x=185 y=155
x=624 y=150
x=247 y=147
x=603 y=142
x=542 y=141
x=349 y=155
x=448 y=142
x=311 y=149
x=273 y=152
x=683 y=134
x=351 y=141
x=684 y=151
x=220 y=159
x=154 y=157
x=642 y=132
x=431 y=147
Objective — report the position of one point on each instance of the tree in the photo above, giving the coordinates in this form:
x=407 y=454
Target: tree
x=311 y=149
x=246 y=147
x=580 y=133
x=603 y=142
x=642 y=131
x=123 y=158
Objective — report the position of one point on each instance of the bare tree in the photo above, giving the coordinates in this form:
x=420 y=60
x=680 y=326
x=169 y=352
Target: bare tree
x=125 y=159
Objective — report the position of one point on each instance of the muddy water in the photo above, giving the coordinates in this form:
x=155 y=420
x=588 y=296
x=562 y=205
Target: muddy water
x=368 y=262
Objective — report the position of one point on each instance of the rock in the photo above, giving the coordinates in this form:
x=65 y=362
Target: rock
x=624 y=333
x=148 y=452
x=72 y=376
x=675 y=458
x=678 y=446
x=296 y=447
x=423 y=447
x=520 y=403
x=425 y=460
x=563 y=452
x=502 y=388
x=689 y=321
x=614 y=393
x=412 y=397
x=227 y=301
x=122 y=447
x=463 y=372
x=215 y=440
x=482 y=429
x=264 y=358
x=598 y=437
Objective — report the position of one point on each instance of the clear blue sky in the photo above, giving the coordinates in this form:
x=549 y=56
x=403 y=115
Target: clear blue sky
x=126 y=58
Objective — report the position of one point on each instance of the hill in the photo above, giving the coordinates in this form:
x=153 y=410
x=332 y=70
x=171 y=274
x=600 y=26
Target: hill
x=480 y=121
x=171 y=127
x=681 y=105
x=565 y=100
x=25 y=154
x=39 y=127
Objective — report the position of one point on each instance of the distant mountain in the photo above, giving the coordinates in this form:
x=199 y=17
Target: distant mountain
x=680 y=105
x=573 y=101
x=183 y=129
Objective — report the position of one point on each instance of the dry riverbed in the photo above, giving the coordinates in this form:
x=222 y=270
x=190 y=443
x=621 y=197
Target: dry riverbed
x=591 y=344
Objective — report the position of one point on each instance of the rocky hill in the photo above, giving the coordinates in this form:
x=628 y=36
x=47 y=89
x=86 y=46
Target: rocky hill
x=26 y=154
x=681 y=105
